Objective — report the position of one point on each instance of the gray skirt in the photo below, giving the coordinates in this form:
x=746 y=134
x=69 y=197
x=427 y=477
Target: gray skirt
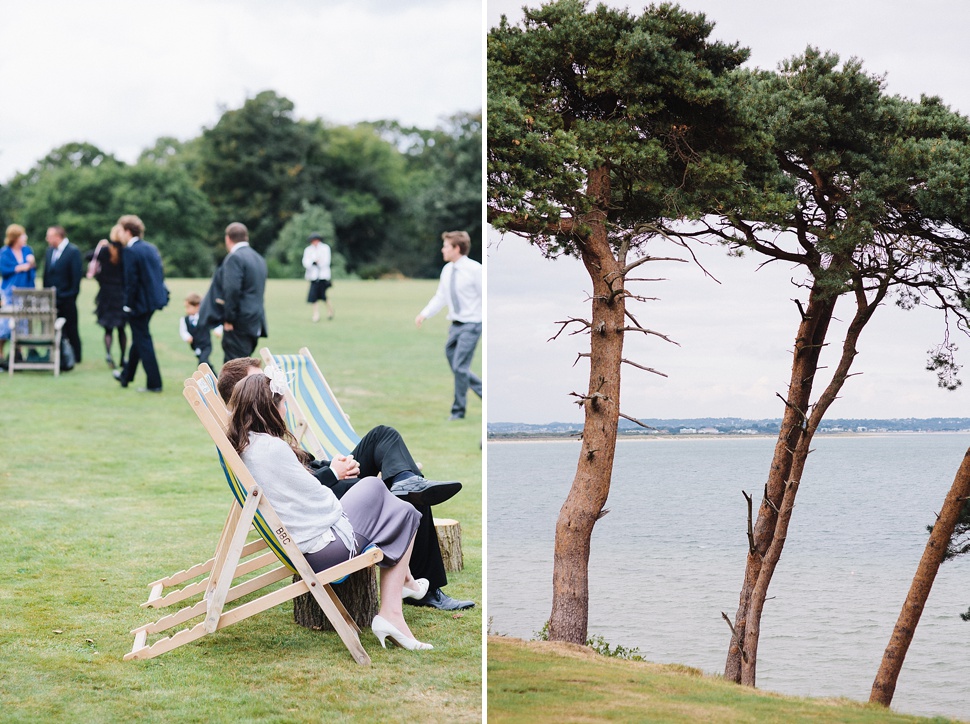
x=378 y=518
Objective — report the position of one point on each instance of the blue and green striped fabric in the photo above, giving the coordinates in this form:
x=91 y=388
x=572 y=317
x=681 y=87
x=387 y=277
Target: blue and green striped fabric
x=262 y=527
x=322 y=410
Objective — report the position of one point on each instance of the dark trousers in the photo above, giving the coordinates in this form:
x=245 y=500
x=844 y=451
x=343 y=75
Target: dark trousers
x=204 y=349
x=236 y=344
x=382 y=450
x=67 y=308
x=142 y=350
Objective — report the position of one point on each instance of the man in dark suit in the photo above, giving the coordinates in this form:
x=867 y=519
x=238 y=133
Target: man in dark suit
x=242 y=279
x=62 y=269
x=145 y=294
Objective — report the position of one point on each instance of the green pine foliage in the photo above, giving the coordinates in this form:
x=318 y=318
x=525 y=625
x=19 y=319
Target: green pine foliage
x=262 y=165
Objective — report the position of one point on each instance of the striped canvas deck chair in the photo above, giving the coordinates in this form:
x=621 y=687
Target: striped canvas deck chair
x=313 y=414
x=239 y=568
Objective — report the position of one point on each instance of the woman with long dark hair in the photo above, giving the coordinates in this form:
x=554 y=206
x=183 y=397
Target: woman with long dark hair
x=326 y=531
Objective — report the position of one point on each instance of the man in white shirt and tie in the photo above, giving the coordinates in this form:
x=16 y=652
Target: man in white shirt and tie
x=460 y=288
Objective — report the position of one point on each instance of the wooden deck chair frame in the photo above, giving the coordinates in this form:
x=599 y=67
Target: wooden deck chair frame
x=39 y=327
x=235 y=558
x=316 y=418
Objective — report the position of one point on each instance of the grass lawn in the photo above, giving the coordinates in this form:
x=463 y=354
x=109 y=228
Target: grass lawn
x=107 y=489
x=555 y=682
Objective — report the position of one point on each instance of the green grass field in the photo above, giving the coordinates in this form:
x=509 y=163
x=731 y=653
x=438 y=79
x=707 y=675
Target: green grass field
x=107 y=489
x=535 y=682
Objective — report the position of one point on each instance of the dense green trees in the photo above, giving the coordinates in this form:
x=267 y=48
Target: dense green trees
x=85 y=190
x=386 y=204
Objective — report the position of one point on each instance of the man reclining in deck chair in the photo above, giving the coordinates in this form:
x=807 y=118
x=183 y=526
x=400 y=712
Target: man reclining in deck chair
x=381 y=451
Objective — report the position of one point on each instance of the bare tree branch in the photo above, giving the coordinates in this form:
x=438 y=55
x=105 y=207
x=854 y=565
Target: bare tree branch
x=633 y=419
x=645 y=369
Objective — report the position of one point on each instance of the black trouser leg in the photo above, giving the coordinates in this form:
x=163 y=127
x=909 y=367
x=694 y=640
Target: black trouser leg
x=426 y=559
x=236 y=345
x=67 y=308
x=382 y=451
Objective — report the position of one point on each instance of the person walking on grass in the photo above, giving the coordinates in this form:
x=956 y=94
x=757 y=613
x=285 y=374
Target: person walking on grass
x=145 y=294
x=316 y=261
x=242 y=278
x=460 y=288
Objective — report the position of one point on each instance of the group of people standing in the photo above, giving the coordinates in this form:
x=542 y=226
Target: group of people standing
x=62 y=270
x=132 y=288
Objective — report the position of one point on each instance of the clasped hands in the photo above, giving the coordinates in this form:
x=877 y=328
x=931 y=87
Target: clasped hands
x=29 y=263
x=344 y=466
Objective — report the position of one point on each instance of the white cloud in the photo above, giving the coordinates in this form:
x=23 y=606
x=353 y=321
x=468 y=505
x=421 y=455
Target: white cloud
x=121 y=74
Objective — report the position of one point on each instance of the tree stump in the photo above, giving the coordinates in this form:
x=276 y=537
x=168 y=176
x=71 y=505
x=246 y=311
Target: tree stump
x=449 y=539
x=358 y=594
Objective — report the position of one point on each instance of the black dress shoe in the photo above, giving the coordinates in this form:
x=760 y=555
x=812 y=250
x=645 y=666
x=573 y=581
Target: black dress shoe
x=120 y=376
x=420 y=491
x=440 y=600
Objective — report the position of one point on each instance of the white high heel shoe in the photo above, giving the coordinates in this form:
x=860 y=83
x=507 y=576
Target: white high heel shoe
x=383 y=629
x=419 y=591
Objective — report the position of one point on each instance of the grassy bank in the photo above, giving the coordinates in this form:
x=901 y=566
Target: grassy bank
x=541 y=681
x=107 y=489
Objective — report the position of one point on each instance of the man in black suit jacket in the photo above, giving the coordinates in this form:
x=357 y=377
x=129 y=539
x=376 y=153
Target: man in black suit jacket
x=145 y=294
x=62 y=269
x=242 y=281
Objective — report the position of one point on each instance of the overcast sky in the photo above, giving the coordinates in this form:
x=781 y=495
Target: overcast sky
x=120 y=74
x=736 y=337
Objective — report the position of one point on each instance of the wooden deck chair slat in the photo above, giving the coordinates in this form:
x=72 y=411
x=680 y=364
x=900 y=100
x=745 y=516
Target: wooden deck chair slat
x=199 y=568
x=194 y=589
x=197 y=609
x=227 y=561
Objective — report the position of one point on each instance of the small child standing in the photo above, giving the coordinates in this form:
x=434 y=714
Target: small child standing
x=190 y=331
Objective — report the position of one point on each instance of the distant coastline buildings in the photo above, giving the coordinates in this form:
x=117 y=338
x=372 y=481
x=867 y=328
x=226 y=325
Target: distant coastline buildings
x=731 y=426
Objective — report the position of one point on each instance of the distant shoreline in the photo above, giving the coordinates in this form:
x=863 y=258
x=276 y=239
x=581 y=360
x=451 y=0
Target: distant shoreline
x=574 y=437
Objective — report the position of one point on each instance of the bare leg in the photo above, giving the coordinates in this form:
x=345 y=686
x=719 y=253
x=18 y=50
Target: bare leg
x=316 y=311
x=392 y=584
x=329 y=309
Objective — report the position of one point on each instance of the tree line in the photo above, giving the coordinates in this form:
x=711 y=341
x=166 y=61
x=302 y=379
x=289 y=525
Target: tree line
x=380 y=193
x=623 y=139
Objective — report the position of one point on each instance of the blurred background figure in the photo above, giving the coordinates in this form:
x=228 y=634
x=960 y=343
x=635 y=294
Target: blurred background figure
x=316 y=261
x=63 y=271
x=194 y=331
x=107 y=267
x=18 y=268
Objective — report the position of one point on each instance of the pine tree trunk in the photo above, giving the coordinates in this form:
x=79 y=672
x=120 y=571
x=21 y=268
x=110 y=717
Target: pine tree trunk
x=804 y=369
x=591 y=485
x=884 y=685
x=808 y=345
x=358 y=594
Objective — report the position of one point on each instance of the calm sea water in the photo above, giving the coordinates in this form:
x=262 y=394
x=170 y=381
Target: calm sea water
x=669 y=558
